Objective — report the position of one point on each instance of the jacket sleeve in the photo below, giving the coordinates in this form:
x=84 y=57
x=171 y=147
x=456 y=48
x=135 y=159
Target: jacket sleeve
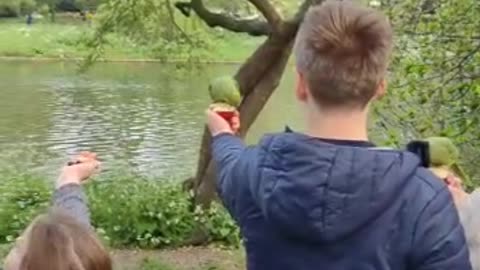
x=72 y=199
x=439 y=241
x=234 y=166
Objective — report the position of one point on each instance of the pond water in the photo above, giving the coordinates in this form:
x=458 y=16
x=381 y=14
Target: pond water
x=142 y=117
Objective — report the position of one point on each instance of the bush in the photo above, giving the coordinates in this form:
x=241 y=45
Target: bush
x=128 y=211
x=22 y=197
x=14 y=8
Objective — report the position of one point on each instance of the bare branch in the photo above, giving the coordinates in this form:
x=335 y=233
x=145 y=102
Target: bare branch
x=174 y=22
x=269 y=12
x=253 y=27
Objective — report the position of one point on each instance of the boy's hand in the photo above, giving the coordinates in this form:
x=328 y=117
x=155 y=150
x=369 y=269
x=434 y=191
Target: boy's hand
x=80 y=169
x=217 y=125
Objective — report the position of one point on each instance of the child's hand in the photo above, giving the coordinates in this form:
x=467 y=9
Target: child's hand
x=79 y=169
x=218 y=125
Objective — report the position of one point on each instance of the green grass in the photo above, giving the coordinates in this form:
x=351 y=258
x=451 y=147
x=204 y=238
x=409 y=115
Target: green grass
x=234 y=47
x=67 y=41
x=55 y=40
x=128 y=211
x=145 y=222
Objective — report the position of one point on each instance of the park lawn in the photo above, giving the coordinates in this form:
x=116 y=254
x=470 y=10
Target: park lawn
x=233 y=47
x=67 y=41
x=56 y=41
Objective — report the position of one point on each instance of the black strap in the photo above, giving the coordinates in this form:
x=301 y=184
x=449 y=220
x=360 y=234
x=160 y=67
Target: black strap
x=422 y=150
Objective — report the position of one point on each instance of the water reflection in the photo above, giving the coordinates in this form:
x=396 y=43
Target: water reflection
x=137 y=115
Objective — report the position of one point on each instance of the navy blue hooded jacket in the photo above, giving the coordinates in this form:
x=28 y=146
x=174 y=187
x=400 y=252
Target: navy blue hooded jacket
x=305 y=204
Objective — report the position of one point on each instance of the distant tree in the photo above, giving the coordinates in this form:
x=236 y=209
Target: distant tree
x=27 y=6
x=68 y=5
x=14 y=8
x=52 y=7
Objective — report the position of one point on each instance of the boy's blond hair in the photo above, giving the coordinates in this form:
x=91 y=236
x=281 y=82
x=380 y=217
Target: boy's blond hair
x=342 y=50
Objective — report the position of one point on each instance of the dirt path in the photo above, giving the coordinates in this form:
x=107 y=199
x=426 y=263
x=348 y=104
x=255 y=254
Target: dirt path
x=195 y=258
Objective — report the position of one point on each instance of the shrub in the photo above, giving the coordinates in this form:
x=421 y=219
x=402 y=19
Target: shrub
x=128 y=211
x=14 y=8
x=22 y=197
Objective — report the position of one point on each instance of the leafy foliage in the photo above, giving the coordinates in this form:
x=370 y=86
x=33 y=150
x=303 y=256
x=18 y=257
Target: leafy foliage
x=22 y=198
x=127 y=211
x=435 y=76
x=148 y=22
x=13 y=8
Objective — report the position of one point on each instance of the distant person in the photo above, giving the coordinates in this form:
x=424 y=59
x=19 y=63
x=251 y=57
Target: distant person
x=327 y=198
x=63 y=238
x=83 y=15
x=89 y=17
x=29 y=19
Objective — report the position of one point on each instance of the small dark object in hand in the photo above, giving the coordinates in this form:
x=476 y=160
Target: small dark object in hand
x=71 y=163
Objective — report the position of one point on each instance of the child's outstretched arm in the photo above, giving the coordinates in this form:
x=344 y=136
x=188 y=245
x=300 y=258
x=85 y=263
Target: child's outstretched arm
x=72 y=200
x=69 y=195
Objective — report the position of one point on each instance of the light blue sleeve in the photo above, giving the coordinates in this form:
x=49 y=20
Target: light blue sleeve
x=72 y=199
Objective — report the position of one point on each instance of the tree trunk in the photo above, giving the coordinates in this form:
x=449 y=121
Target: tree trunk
x=257 y=79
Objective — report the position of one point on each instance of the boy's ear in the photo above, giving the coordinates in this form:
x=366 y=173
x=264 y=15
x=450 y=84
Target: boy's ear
x=301 y=90
x=381 y=89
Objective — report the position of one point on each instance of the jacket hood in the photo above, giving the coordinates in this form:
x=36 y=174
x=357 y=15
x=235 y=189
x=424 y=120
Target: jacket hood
x=321 y=192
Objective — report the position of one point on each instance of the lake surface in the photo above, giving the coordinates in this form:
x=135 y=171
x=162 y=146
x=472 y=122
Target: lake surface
x=142 y=117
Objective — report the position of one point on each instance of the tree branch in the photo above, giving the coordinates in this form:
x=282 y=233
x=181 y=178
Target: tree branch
x=269 y=12
x=174 y=22
x=253 y=27
x=184 y=8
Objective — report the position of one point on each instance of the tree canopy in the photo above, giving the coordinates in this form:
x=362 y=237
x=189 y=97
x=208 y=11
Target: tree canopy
x=435 y=75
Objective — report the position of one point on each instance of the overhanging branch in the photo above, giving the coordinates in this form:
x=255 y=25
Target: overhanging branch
x=253 y=27
x=269 y=12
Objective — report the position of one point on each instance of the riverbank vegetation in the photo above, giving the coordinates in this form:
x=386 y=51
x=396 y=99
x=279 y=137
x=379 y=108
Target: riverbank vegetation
x=129 y=211
x=133 y=215
x=69 y=40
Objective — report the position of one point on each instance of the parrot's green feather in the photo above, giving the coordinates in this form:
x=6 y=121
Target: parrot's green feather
x=443 y=152
x=225 y=90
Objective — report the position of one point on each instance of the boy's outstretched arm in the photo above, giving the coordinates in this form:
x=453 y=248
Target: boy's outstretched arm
x=232 y=161
x=439 y=241
x=227 y=151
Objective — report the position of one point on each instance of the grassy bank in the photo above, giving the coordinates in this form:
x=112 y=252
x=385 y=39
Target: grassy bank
x=68 y=40
x=128 y=211
x=145 y=222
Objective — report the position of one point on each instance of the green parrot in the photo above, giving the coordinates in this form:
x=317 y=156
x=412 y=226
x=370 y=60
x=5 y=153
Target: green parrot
x=225 y=90
x=444 y=153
